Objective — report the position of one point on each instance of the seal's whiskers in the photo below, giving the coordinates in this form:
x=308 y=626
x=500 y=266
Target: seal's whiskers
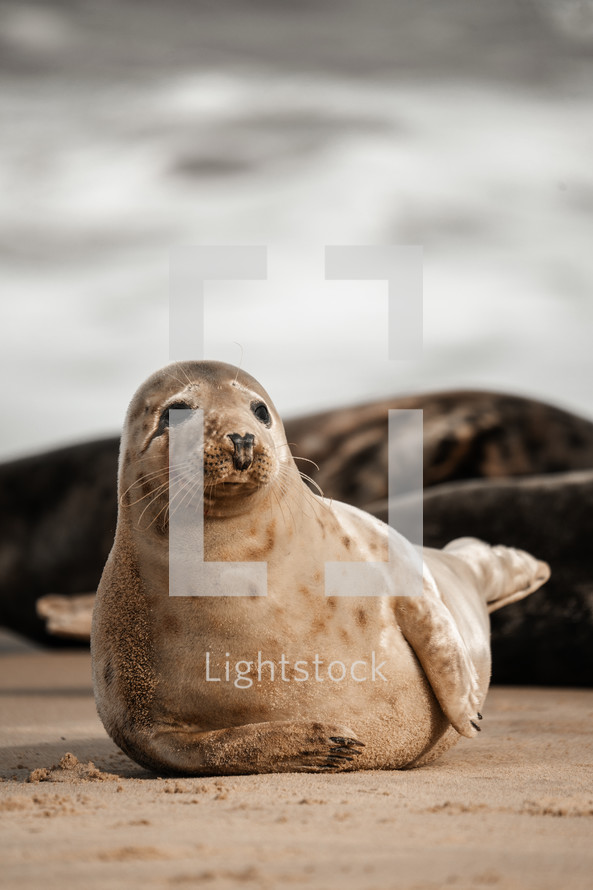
x=312 y=481
x=308 y=461
x=153 y=493
x=192 y=487
x=158 y=493
x=151 y=477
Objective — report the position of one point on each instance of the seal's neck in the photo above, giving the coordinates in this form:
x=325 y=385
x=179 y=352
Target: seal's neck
x=268 y=519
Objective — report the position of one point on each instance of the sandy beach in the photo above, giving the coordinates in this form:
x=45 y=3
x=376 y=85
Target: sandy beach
x=511 y=809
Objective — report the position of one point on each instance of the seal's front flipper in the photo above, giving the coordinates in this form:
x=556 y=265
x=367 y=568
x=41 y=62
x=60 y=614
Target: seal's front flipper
x=276 y=747
x=429 y=628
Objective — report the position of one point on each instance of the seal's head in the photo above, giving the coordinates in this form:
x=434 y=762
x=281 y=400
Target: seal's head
x=244 y=449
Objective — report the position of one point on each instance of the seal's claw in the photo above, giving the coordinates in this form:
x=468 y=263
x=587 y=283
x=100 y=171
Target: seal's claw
x=336 y=763
x=342 y=740
x=322 y=751
x=342 y=752
x=475 y=725
x=480 y=716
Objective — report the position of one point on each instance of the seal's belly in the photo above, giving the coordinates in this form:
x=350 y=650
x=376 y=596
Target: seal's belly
x=257 y=662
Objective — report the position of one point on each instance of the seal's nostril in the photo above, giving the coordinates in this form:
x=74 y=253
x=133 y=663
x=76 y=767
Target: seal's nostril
x=243 y=456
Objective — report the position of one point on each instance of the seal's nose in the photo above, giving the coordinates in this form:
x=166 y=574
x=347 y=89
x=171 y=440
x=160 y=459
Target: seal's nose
x=243 y=456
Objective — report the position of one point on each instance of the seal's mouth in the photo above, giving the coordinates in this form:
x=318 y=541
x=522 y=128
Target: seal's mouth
x=229 y=495
x=243 y=486
x=235 y=486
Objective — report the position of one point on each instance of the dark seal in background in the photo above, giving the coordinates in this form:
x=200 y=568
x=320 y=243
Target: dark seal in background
x=505 y=469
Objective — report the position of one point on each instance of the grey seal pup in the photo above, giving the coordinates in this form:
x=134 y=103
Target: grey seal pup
x=200 y=685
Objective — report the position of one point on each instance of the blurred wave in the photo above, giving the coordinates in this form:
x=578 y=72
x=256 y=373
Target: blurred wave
x=109 y=160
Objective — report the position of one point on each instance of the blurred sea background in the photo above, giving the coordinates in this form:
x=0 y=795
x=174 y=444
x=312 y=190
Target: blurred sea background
x=129 y=128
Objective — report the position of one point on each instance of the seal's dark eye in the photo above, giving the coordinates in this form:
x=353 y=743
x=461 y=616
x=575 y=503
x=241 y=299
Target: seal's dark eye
x=262 y=413
x=166 y=420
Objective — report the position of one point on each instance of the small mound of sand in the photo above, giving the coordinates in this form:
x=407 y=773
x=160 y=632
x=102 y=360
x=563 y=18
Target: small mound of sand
x=70 y=769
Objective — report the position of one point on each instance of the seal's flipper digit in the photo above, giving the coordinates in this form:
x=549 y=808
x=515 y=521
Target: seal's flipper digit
x=345 y=749
x=341 y=741
x=431 y=631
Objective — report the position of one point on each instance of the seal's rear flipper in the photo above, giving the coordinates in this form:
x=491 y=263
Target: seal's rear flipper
x=504 y=574
x=67 y=616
